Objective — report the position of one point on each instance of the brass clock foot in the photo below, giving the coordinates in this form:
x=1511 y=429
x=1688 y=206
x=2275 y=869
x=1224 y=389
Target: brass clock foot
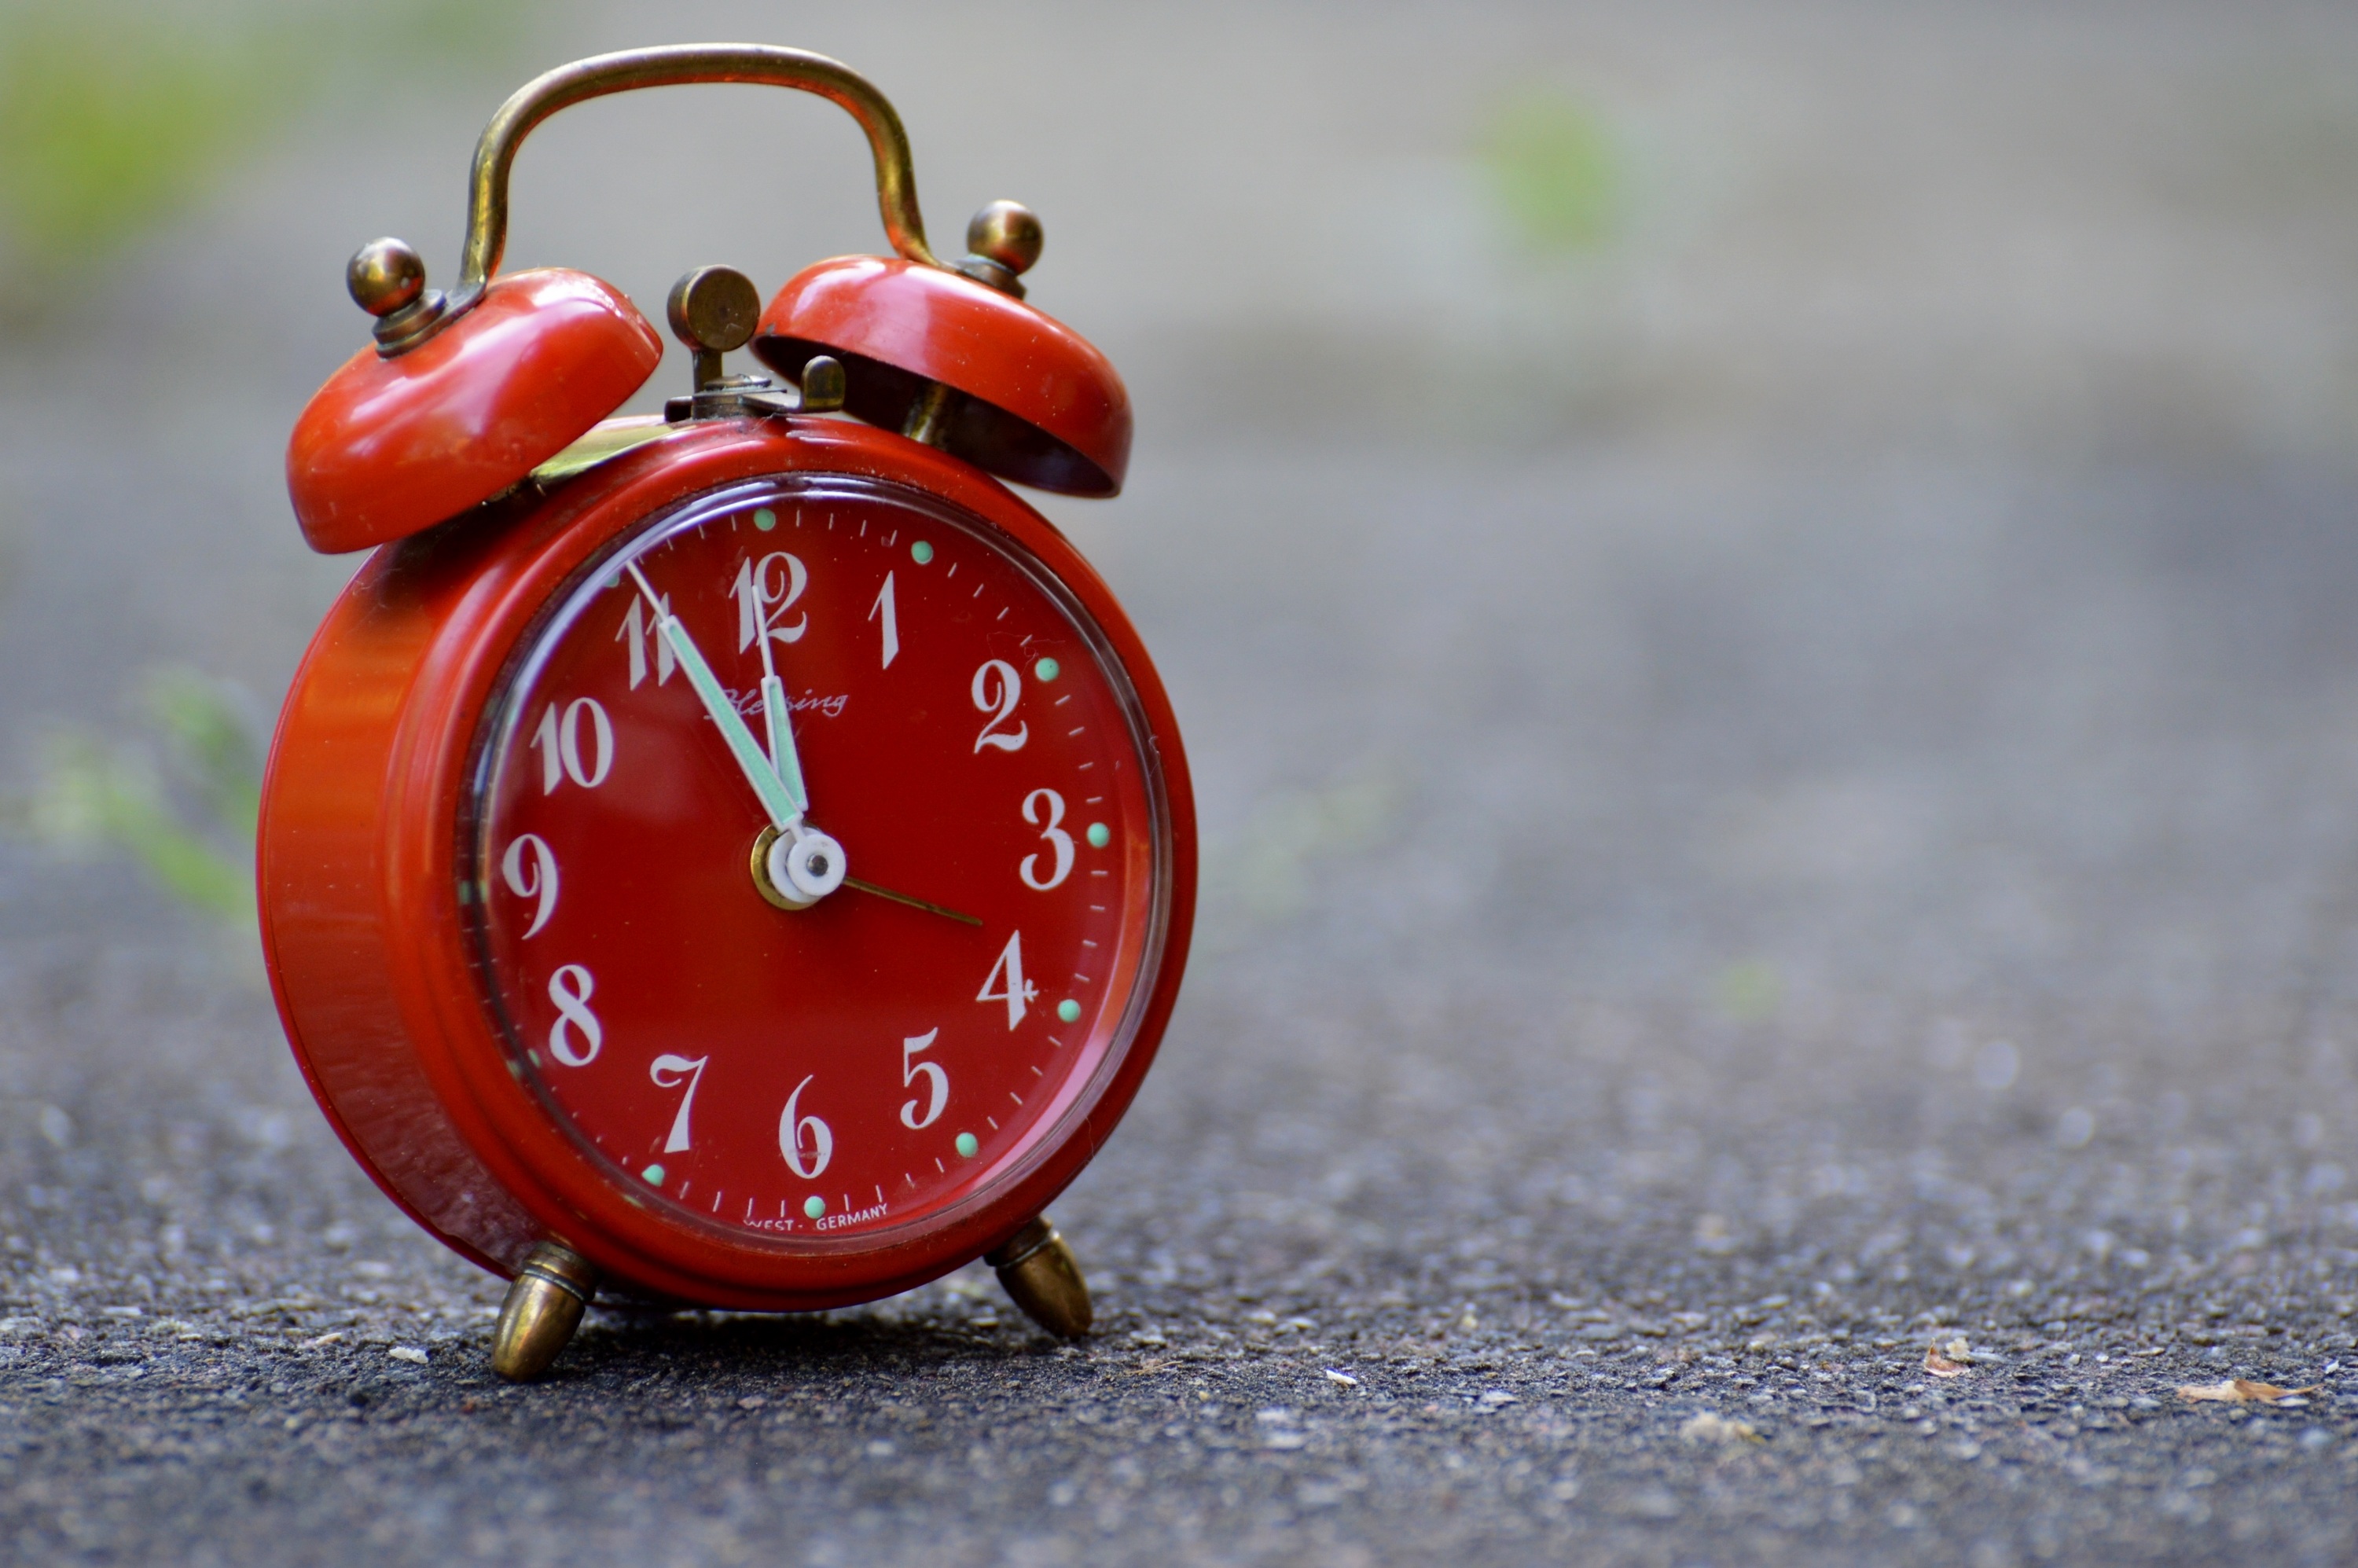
x=1037 y=1270
x=542 y=1310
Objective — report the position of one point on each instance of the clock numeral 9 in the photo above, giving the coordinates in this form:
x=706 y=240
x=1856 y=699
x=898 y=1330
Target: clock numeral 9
x=570 y=988
x=537 y=879
x=1058 y=839
x=796 y=1130
x=996 y=689
x=937 y=1082
x=561 y=755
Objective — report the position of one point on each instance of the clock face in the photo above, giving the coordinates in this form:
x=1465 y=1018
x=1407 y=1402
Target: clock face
x=972 y=758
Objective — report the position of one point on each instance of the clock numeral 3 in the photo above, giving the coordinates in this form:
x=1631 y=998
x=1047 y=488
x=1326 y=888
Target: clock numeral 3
x=570 y=988
x=1008 y=974
x=796 y=1130
x=998 y=688
x=562 y=755
x=937 y=1082
x=1058 y=841
x=536 y=880
x=691 y=1068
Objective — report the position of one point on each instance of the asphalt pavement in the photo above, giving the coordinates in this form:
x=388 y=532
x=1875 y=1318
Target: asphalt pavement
x=1826 y=829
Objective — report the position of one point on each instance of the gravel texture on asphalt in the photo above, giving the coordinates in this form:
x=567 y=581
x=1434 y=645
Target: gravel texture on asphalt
x=1774 y=800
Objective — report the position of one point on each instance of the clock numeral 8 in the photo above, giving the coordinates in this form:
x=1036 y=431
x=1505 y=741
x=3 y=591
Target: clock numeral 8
x=570 y=988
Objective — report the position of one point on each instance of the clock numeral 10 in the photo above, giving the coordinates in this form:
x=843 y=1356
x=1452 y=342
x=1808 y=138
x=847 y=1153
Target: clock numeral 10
x=560 y=742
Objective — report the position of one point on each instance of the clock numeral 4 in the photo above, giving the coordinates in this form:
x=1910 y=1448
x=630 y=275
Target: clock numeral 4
x=678 y=1068
x=1007 y=974
x=996 y=689
x=529 y=868
x=805 y=1140
x=562 y=753
x=1059 y=842
x=937 y=1082
x=577 y=1035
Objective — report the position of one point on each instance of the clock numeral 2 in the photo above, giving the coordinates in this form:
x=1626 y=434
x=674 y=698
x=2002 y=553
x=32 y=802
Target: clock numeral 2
x=998 y=687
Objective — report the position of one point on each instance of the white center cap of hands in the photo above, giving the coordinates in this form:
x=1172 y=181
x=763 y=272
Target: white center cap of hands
x=809 y=862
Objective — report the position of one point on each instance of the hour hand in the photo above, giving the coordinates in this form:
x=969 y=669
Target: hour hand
x=784 y=803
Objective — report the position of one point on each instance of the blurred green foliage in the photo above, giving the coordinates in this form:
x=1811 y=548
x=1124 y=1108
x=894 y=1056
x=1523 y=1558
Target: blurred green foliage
x=1750 y=991
x=183 y=804
x=115 y=115
x=1554 y=171
x=1264 y=873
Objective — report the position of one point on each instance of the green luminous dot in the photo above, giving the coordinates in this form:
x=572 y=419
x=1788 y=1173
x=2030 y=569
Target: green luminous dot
x=813 y=1206
x=1099 y=835
x=920 y=552
x=1048 y=669
x=765 y=520
x=1069 y=1011
x=967 y=1146
x=653 y=1175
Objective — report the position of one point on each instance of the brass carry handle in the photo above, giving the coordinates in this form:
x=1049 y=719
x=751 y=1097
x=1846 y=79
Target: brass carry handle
x=674 y=65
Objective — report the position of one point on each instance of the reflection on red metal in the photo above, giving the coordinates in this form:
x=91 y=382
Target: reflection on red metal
x=1042 y=406
x=389 y=446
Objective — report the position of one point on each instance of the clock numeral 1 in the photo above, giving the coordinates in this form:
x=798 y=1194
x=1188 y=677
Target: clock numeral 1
x=883 y=609
x=691 y=1068
x=1008 y=974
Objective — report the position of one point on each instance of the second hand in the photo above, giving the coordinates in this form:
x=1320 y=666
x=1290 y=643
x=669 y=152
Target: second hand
x=912 y=902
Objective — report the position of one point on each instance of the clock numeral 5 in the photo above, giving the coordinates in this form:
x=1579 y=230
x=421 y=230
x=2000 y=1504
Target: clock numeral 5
x=570 y=988
x=998 y=688
x=937 y=1082
x=536 y=880
x=562 y=756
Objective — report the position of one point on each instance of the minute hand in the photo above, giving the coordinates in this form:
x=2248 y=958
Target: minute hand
x=784 y=799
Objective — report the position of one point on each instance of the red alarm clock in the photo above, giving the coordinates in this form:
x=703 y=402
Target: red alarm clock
x=743 y=858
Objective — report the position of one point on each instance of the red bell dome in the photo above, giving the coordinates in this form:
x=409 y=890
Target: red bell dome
x=1042 y=407
x=392 y=446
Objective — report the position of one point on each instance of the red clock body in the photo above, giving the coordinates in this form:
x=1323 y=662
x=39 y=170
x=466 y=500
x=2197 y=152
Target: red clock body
x=513 y=876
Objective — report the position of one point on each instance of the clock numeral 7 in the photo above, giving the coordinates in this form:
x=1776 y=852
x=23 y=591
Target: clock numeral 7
x=562 y=755
x=691 y=1068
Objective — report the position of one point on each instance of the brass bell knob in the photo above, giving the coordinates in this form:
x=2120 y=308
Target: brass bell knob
x=714 y=309
x=1002 y=241
x=386 y=275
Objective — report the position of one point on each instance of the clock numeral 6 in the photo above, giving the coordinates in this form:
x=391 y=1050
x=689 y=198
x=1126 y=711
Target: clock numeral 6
x=1060 y=842
x=996 y=689
x=937 y=1082
x=797 y=1130
x=570 y=988
x=537 y=879
x=561 y=755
